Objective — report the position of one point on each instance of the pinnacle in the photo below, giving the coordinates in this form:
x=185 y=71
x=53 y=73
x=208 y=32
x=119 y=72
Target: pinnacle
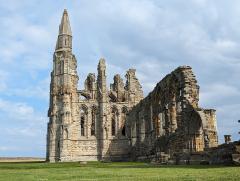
x=64 y=27
x=102 y=61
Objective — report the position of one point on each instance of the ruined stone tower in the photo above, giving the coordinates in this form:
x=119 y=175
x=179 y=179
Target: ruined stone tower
x=63 y=94
x=117 y=123
x=87 y=124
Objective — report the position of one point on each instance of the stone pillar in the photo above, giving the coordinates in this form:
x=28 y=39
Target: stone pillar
x=89 y=123
x=133 y=87
x=102 y=124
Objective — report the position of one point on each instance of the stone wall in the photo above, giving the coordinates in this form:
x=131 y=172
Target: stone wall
x=169 y=119
x=225 y=154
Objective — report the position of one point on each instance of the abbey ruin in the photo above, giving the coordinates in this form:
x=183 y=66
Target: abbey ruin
x=119 y=124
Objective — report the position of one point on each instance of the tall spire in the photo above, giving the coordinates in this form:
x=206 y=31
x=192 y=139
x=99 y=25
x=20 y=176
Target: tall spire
x=64 y=28
x=65 y=34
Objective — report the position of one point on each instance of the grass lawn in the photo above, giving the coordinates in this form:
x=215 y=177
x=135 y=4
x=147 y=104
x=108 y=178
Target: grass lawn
x=127 y=171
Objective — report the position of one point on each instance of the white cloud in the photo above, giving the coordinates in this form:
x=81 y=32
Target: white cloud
x=38 y=91
x=19 y=111
x=7 y=148
x=21 y=126
x=200 y=2
x=25 y=43
x=217 y=91
x=228 y=123
x=3 y=80
x=29 y=131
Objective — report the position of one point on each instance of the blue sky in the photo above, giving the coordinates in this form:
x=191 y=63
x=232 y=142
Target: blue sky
x=152 y=36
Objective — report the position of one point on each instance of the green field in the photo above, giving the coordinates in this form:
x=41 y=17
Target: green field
x=126 y=171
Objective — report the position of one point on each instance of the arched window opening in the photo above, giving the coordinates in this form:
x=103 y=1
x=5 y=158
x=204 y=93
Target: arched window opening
x=124 y=131
x=65 y=42
x=113 y=127
x=82 y=125
x=93 y=128
x=157 y=125
x=93 y=125
x=114 y=120
x=123 y=116
x=83 y=120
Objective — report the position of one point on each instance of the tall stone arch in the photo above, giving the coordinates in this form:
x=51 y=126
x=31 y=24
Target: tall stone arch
x=93 y=123
x=124 y=112
x=114 y=120
x=83 y=120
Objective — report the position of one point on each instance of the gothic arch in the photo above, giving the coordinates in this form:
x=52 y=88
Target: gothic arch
x=83 y=119
x=124 y=112
x=113 y=126
x=93 y=120
x=114 y=120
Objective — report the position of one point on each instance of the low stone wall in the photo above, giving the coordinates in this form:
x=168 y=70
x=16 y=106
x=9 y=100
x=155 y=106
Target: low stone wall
x=225 y=154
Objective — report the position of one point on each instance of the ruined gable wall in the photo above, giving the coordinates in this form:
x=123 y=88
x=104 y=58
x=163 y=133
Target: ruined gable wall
x=168 y=119
x=111 y=104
